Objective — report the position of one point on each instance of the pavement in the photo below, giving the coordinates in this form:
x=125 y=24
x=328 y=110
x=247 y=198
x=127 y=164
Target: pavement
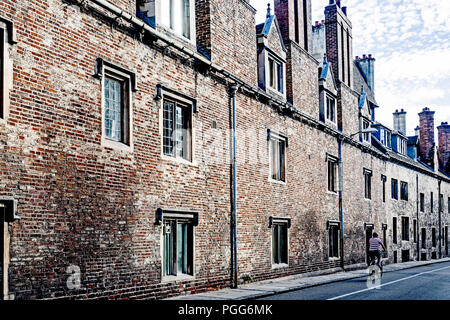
x=272 y=287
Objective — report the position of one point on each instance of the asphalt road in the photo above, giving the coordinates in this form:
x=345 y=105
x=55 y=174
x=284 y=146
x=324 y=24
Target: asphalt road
x=430 y=282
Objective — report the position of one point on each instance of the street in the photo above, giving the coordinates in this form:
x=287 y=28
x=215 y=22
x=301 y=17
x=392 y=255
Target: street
x=430 y=282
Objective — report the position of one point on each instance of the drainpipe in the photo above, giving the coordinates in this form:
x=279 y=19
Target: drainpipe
x=233 y=90
x=417 y=215
x=4 y=278
x=440 y=221
x=341 y=211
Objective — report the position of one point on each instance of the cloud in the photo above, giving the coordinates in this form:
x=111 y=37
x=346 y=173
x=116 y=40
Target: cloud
x=409 y=39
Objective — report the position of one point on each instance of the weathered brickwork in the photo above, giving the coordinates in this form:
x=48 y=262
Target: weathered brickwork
x=91 y=208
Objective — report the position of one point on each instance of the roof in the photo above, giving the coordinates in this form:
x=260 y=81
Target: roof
x=263 y=29
x=412 y=141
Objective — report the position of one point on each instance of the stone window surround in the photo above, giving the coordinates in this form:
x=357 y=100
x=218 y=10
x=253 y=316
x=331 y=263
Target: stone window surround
x=337 y=224
x=192 y=216
x=105 y=67
x=272 y=135
x=273 y=220
x=8 y=39
x=272 y=55
x=335 y=160
x=163 y=91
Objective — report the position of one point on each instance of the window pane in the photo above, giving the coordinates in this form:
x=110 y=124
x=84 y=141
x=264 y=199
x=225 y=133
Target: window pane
x=168 y=250
x=272 y=75
x=283 y=244
x=281 y=169
x=113 y=109
x=168 y=144
x=186 y=19
x=273 y=153
x=182 y=248
x=275 y=244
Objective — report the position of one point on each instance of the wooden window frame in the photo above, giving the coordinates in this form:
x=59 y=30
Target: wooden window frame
x=281 y=164
x=394 y=189
x=334 y=230
x=187 y=147
x=367 y=184
x=280 y=256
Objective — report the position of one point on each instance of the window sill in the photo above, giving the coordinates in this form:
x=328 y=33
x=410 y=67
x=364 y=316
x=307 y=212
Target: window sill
x=334 y=258
x=182 y=277
x=283 y=183
x=332 y=193
x=175 y=160
x=330 y=123
x=116 y=145
x=178 y=37
x=280 y=266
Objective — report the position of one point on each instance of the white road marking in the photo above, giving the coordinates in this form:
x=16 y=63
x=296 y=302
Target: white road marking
x=386 y=284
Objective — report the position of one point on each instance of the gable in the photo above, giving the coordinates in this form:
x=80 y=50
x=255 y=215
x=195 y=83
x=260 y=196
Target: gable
x=274 y=39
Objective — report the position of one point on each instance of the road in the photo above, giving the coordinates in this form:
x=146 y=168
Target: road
x=430 y=282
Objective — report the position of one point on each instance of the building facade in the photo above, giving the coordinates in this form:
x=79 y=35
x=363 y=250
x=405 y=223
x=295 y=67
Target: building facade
x=152 y=148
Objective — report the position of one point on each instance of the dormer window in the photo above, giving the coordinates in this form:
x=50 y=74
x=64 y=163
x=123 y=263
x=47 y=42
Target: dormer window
x=331 y=108
x=366 y=136
x=175 y=16
x=276 y=75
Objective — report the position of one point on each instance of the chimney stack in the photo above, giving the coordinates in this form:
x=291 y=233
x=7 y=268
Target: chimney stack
x=299 y=31
x=400 y=121
x=444 y=147
x=339 y=41
x=426 y=146
x=367 y=65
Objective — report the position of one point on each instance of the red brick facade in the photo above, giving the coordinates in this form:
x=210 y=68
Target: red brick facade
x=88 y=224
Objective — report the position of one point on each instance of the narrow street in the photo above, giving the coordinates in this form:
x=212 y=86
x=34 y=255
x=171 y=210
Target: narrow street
x=430 y=282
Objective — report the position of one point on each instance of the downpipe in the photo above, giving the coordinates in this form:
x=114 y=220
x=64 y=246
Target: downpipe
x=233 y=90
x=341 y=209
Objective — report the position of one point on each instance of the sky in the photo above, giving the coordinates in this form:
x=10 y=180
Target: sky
x=410 y=41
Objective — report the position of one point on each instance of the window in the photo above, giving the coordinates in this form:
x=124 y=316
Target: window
x=280 y=243
x=422 y=202
x=276 y=75
x=448 y=205
x=394 y=189
x=433 y=237
x=441 y=203
x=366 y=125
x=384 y=228
x=116 y=106
x=388 y=139
x=424 y=238
x=277 y=153
x=405 y=228
x=178 y=248
x=177 y=129
x=415 y=230
x=332 y=174
x=368 y=184
x=383 y=182
x=176 y=14
x=431 y=202
x=331 y=108
x=402 y=146
x=333 y=238
x=404 y=191
x=296 y=17
x=394 y=230
x=383 y=136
